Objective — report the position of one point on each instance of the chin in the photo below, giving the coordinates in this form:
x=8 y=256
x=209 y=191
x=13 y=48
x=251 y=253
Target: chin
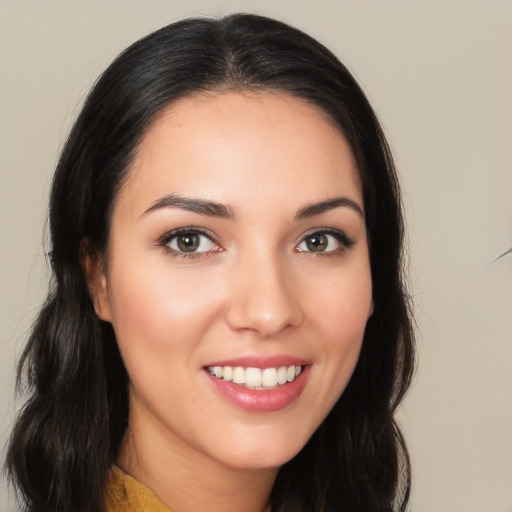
x=271 y=452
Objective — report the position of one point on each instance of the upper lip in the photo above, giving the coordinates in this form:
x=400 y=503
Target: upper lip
x=251 y=361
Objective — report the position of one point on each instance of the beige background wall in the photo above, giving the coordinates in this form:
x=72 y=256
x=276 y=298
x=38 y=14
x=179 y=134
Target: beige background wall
x=439 y=74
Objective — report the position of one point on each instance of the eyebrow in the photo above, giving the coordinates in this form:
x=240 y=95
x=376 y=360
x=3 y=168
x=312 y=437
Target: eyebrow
x=201 y=206
x=324 y=206
x=213 y=209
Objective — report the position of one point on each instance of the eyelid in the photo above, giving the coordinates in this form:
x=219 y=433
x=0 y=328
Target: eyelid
x=184 y=230
x=345 y=241
x=164 y=240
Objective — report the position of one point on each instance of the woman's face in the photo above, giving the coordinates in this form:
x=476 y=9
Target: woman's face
x=237 y=259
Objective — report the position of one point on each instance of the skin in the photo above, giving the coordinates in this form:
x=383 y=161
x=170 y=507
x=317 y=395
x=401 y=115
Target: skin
x=256 y=290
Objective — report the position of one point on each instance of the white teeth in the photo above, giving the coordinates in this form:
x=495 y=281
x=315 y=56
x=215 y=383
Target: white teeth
x=253 y=377
x=281 y=375
x=256 y=378
x=269 y=377
x=228 y=373
x=238 y=375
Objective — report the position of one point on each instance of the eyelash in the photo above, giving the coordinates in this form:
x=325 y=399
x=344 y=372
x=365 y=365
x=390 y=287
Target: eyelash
x=171 y=235
x=342 y=238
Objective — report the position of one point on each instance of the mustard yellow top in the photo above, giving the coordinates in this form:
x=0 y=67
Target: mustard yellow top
x=125 y=494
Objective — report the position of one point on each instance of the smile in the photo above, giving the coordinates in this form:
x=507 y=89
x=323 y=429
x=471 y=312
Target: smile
x=256 y=378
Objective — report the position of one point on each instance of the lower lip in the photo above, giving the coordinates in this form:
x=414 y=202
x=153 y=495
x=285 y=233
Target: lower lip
x=261 y=401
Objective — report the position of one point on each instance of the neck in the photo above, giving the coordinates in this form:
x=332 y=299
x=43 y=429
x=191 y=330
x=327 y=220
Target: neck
x=187 y=480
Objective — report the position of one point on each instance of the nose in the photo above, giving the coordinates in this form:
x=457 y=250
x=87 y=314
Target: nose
x=263 y=297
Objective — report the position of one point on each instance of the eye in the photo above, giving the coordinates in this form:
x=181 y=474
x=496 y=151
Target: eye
x=189 y=242
x=325 y=241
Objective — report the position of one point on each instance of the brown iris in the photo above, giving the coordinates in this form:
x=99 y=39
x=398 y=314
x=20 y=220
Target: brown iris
x=317 y=242
x=188 y=242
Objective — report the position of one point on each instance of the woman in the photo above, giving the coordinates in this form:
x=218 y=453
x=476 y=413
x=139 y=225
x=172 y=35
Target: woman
x=227 y=326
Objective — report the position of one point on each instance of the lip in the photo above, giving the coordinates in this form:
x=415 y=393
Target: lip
x=253 y=400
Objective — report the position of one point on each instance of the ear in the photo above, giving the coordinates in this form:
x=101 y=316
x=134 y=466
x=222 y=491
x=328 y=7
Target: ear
x=94 y=268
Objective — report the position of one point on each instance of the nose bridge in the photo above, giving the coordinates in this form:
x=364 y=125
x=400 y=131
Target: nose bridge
x=262 y=298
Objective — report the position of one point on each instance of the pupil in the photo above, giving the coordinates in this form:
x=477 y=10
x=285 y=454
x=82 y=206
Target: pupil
x=317 y=243
x=188 y=243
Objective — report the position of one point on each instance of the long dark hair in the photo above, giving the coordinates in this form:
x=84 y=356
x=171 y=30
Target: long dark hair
x=69 y=432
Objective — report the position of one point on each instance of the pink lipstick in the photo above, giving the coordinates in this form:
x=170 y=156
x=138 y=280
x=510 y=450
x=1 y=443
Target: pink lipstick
x=259 y=384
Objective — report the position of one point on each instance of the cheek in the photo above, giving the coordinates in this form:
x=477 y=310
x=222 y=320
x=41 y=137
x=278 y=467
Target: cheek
x=340 y=311
x=160 y=319
x=156 y=313
x=342 y=305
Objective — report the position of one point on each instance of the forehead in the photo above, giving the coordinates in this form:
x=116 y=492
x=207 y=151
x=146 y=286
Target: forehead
x=237 y=146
